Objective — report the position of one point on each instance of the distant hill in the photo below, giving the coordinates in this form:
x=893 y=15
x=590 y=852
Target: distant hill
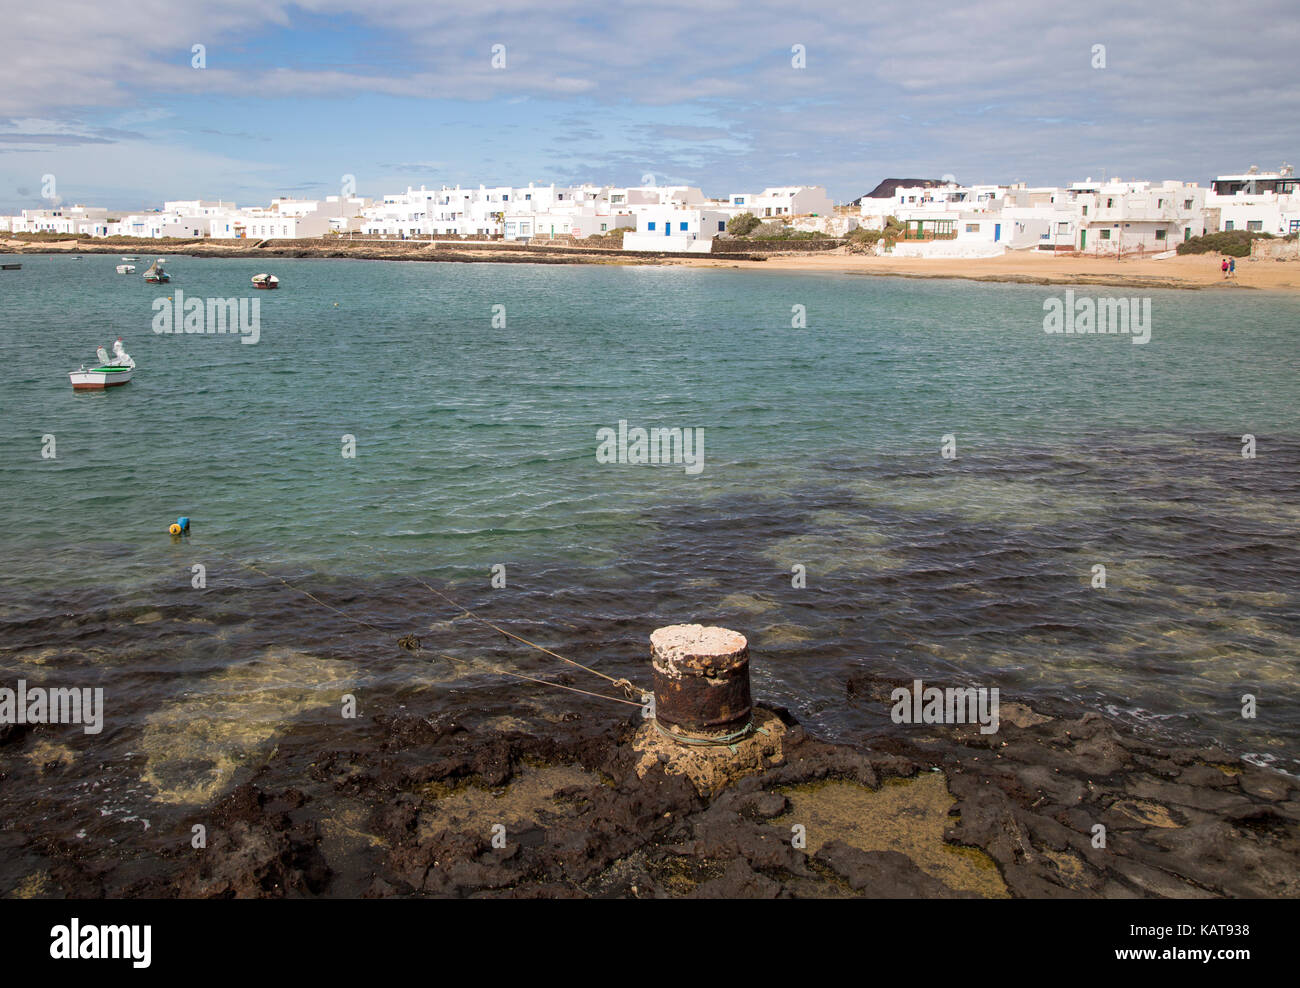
x=885 y=190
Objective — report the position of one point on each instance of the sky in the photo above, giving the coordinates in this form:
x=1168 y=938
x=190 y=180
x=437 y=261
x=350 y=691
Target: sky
x=116 y=105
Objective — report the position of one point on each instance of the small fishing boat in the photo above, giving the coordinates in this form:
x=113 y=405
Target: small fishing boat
x=156 y=275
x=126 y=269
x=11 y=267
x=265 y=281
x=130 y=259
x=110 y=373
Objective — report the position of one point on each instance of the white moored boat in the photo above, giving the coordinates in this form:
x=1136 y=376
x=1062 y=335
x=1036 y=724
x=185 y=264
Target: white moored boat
x=265 y=281
x=110 y=373
x=126 y=269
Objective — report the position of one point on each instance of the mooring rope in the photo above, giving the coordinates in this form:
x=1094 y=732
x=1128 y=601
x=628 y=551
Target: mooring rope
x=685 y=739
x=308 y=593
x=623 y=684
x=412 y=644
x=530 y=679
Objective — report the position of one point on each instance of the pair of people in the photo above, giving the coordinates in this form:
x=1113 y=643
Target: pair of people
x=1229 y=267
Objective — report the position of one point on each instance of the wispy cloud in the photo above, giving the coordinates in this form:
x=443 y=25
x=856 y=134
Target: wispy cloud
x=705 y=90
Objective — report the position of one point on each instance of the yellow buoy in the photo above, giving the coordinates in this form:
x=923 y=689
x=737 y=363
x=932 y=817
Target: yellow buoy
x=175 y=529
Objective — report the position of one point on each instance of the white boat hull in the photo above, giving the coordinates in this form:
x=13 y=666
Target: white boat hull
x=100 y=378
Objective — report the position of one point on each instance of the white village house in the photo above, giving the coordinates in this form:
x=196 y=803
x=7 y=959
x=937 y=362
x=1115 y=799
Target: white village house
x=1099 y=218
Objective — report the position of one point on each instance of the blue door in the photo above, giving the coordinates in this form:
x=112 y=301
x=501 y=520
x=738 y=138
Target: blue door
x=997 y=232
x=668 y=229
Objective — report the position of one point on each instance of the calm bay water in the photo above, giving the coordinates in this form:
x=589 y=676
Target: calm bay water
x=476 y=446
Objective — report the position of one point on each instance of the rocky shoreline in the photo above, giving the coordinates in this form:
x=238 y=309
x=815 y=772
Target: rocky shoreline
x=498 y=252
x=1182 y=273
x=597 y=807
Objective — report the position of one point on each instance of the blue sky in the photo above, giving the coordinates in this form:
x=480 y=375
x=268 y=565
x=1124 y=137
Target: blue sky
x=295 y=96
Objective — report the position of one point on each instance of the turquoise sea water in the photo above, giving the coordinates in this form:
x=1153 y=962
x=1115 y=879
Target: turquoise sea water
x=475 y=446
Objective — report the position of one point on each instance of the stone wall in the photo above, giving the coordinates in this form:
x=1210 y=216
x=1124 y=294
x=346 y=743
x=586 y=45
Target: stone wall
x=721 y=246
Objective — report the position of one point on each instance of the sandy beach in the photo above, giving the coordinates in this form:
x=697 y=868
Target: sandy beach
x=1190 y=271
x=1195 y=271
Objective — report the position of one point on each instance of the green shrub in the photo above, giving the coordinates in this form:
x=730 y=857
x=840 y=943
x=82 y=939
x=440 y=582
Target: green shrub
x=742 y=225
x=609 y=237
x=864 y=236
x=1234 y=243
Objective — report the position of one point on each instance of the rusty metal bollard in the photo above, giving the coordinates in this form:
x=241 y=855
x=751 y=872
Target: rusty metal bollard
x=701 y=683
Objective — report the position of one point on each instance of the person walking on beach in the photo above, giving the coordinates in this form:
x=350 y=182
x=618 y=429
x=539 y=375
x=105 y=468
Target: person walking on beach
x=1224 y=268
x=1232 y=267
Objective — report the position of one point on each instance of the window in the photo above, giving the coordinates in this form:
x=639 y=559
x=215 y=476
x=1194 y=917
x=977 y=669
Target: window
x=1063 y=227
x=1294 y=226
x=527 y=196
x=682 y=227
x=1160 y=234
x=650 y=225
x=1105 y=234
x=604 y=227
x=505 y=198
x=722 y=225
x=1160 y=204
x=972 y=228
x=1255 y=226
x=1187 y=204
x=1110 y=203
x=1085 y=209
x=740 y=200
x=1227 y=226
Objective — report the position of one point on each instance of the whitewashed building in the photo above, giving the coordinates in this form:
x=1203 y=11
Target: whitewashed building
x=1261 y=202
x=1137 y=217
x=673 y=228
x=77 y=220
x=784 y=202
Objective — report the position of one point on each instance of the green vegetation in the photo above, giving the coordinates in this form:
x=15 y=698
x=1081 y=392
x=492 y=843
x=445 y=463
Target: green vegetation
x=865 y=237
x=742 y=225
x=1234 y=243
x=610 y=238
x=779 y=231
x=750 y=227
x=862 y=240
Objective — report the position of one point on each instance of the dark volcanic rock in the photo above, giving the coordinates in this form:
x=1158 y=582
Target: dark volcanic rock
x=1047 y=807
x=255 y=850
x=883 y=874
